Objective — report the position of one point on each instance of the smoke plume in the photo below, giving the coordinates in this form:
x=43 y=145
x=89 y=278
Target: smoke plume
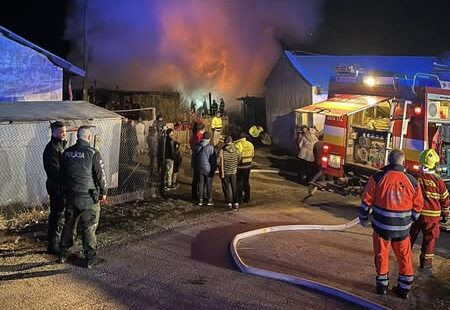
x=226 y=47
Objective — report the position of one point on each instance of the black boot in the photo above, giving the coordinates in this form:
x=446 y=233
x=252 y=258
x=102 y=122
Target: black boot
x=382 y=289
x=53 y=248
x=400 y=292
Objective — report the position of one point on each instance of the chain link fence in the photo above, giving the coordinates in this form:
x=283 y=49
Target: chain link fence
x=130 y=150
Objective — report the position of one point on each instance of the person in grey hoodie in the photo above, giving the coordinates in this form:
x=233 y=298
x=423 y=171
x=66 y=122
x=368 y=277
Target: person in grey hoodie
x=306 y=154
x=205 y=166
x=227 y=160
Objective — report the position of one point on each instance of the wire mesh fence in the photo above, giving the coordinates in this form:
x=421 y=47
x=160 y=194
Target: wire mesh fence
x=139 y=174
x=132 y=150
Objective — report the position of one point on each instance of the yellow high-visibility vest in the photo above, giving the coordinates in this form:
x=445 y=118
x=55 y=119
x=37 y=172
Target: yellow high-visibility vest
x=246 y=150
x=216 y=123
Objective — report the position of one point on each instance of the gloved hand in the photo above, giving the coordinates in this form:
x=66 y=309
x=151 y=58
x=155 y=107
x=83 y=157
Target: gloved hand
x=364 y=222
x=444 y=219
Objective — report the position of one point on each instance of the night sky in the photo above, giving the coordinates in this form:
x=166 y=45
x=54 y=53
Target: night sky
x=347 y=27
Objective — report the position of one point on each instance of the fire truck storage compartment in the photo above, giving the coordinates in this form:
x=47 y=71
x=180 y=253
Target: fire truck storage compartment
x=367 y=135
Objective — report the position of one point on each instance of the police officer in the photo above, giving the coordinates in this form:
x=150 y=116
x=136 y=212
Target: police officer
x=246 y=152
x=84 y=179
x=51 y=158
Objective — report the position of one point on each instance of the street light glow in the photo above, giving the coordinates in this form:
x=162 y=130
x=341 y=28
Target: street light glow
x=370 y=81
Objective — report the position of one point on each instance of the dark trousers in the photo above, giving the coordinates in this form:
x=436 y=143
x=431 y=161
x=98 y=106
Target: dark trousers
x=306 y=170
x=55 y=220
x=194 y=189
x=204 y=186
x=89 y=214
x=229 y=187
x=243 y=184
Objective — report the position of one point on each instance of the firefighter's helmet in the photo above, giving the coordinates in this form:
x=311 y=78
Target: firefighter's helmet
x=429 y=158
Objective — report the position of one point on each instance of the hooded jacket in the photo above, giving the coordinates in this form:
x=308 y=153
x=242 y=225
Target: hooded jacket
x=306 y=146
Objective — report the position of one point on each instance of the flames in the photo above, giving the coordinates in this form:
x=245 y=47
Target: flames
x=195 y=46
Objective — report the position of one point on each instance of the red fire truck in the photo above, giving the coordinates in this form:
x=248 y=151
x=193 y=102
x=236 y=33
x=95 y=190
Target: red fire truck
x=367 y=115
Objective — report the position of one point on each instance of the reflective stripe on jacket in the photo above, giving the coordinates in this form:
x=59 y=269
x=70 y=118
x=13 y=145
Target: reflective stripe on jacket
x=395 y=198
x=435 y=194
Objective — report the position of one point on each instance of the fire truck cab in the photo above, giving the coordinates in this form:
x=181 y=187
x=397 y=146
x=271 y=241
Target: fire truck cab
x=367 y=114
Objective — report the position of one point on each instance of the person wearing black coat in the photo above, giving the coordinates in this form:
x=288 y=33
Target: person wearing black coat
x=52 y=159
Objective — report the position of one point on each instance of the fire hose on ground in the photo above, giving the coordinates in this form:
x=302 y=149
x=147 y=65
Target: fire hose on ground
x=308 y=284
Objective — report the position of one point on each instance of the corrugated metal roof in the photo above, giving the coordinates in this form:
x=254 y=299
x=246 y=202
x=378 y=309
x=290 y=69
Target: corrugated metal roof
x=318 y=69
x=52 y=110
x=58 y=61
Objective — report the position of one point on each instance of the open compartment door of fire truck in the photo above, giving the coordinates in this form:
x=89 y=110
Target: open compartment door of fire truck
x=355 y=131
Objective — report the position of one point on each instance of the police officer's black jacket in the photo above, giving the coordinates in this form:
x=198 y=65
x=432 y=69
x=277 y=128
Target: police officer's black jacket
x=83 y=170
x=52 y=159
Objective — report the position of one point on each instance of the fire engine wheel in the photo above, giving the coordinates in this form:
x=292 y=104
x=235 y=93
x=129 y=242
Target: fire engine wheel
x=312 y=285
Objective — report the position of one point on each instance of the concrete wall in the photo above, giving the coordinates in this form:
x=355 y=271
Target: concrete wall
x=26 y=75
x=286 y=91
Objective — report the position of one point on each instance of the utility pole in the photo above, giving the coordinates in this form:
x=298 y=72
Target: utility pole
x=85 y=58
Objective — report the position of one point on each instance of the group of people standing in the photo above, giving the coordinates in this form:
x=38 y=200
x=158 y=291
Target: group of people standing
x=233 y=160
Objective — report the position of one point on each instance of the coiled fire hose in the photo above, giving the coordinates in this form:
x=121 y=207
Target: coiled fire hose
x=312 y=285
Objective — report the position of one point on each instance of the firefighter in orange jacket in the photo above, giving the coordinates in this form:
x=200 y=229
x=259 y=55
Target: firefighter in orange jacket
x=394 y=199
x=436 y=203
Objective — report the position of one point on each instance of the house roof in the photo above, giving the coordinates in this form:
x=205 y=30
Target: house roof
x=32 y=111
x=58 y=61
x=318 y=69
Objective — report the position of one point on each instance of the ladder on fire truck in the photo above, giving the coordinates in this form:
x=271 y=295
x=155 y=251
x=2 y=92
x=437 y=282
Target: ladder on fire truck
x=392 y=119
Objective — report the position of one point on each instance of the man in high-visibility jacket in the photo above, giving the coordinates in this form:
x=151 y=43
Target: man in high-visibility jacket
x=246 y=152
x=436 y=202
x=394 y=199
x=216 y=126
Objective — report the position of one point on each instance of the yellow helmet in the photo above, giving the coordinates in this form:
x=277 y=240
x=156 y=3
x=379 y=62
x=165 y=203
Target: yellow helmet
x=429 y=158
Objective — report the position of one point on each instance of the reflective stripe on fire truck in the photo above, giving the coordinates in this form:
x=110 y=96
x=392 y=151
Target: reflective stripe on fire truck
x=412 y=148
x=334 y=135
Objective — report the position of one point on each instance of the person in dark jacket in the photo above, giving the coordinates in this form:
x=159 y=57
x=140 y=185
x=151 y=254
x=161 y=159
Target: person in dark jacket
x=194 y=141
x=52 y=158
x=85 y=183
x=205 y=166
x=170 y=156
x=176 y=163
x=227 y=160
